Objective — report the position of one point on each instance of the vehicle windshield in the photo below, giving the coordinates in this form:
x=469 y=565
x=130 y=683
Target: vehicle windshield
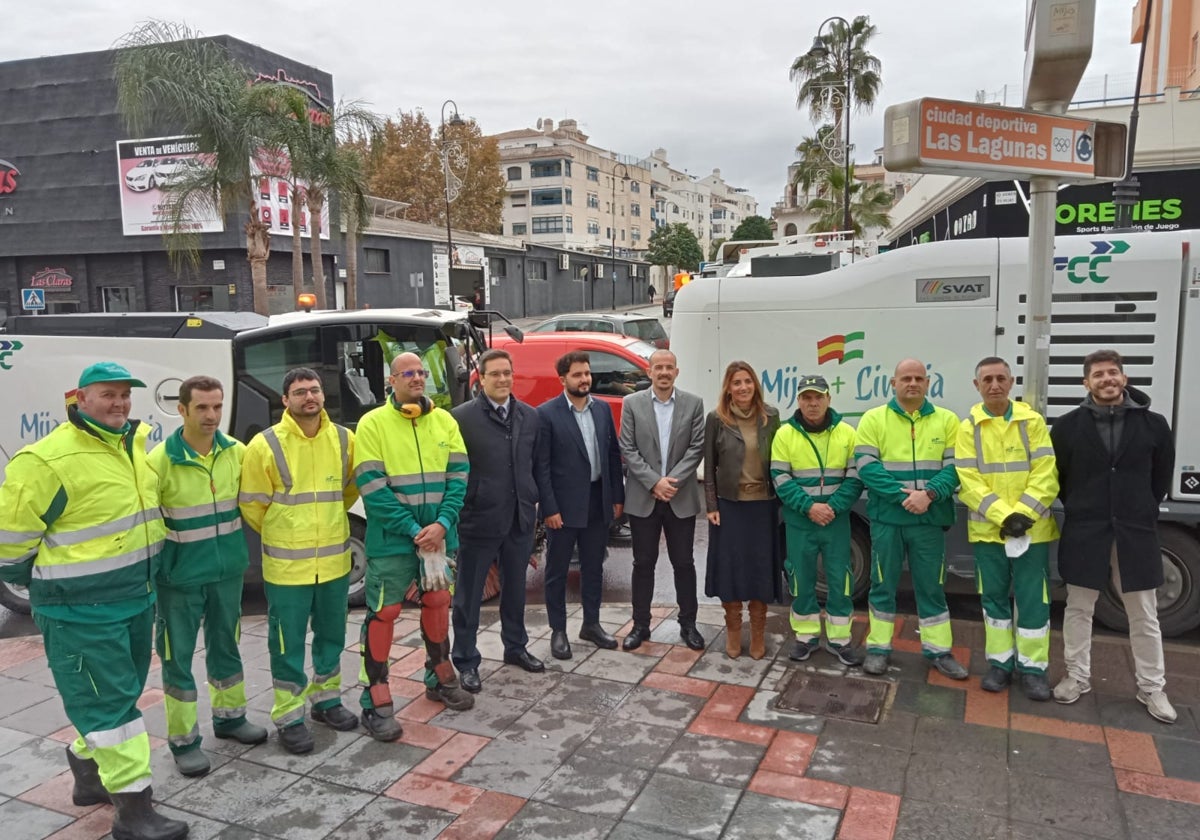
x=648 y=329
x=642 y=348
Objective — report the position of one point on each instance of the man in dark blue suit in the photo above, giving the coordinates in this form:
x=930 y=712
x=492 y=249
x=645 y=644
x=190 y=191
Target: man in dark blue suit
x=497 y=520
x=584 y=495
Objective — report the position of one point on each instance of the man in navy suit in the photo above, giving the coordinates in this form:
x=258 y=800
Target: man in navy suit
x=584 y=495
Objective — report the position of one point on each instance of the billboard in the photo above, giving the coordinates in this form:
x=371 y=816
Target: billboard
x=280 y=206
x=144 y=168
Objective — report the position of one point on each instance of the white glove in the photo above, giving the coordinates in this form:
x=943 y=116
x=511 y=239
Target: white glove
x=437 y=570
x=1016 y=546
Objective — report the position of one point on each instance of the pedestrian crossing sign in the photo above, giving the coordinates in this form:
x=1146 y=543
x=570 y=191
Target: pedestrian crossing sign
x=33 y=299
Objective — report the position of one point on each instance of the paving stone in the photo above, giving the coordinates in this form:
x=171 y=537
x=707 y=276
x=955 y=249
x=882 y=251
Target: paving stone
x=327 y=742
x=617 y=665
x=979 y=782
x=34 y=762
x=1062 y=758
x=689 y=806
x=626 y=830
x=661 y=708
x=859 y=764
x=308 y=810
x=1065 y=804
x=1151 y=817
x=232 y=832
x=717 y=760
x=168 y=781
x=541 y=728
x=908 y=667
x=1083 y=710
x=35 y=671
x=585 y=694
x=541 y=821
x=369 y=765
x=515 y=683
x=30 y=821
x=946 y=737
x=490 y=715
x=667 y=632
x=16 y=695
x=202 y=828
x=758 y=816
x=628 y=742
x=1180 y=758
x=591 y=786
x=1125 y=712
x=715 y=665
x=895 y=730
x=386 y=819
x=42 y=718
x=930 y=700
x=1025 y=831
x=235 y=791
x=920 y=820
x=580 y=651
x=761 y=710
x=10 y=739
x=502 y=767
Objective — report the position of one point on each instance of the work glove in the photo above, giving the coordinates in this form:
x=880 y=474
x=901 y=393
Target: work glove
x=1015 y=525
x=437 y=570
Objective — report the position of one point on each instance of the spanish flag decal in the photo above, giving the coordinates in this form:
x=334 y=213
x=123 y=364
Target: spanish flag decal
x=837 y=348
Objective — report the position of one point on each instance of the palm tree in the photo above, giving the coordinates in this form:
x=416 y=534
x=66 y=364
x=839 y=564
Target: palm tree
x=167 y=75
x=813 y=158
x=820 y=72
x=869 y=203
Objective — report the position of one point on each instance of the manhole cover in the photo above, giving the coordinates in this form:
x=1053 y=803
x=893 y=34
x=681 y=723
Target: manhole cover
x=848 y=698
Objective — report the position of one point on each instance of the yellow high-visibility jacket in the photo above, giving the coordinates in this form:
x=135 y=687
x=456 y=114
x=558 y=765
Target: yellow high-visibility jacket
x=1005 y=466
x=295 y=492
x=79 y=519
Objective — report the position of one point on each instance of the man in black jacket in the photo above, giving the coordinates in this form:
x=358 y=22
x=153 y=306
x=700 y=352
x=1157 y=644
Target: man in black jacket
x=1115 y=458
x=498 y=517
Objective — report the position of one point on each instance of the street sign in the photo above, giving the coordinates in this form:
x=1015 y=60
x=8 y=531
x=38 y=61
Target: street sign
x=986 y=141
x=33 y=299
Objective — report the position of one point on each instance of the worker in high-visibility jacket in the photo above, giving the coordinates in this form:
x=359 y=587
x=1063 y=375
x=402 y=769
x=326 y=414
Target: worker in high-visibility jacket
x=297 y=485
x=905 y=456
x=411 y=467
x=1009 y=479
x=200 y=575
x=80 y=526
x=812 y=465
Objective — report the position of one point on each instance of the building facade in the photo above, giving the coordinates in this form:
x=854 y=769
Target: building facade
x=729 y=206
x=680 y=198
x=1172 y=45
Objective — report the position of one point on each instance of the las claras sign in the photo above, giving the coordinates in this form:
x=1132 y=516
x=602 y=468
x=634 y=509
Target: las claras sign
x=8 y=177
x=51 y=278
x=986 y=141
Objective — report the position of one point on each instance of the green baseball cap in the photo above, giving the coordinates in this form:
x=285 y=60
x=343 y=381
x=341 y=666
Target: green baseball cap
x=108 y=372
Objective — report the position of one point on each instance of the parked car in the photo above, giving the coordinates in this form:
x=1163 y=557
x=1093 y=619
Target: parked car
x=646 y=328
x=171 y=170
x=620 y=365
x=669 y=303
x=141 y=177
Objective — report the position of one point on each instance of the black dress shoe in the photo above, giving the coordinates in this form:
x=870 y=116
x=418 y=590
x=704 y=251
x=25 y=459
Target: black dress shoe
x=560 y=648
x=598 y=636
x=636 y=636
x=468 y=678
x=525 y=659
x=691 y=636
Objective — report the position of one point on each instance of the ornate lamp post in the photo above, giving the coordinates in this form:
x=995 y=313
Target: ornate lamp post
x=450 y=148
x=820 y=50
x=613 y=256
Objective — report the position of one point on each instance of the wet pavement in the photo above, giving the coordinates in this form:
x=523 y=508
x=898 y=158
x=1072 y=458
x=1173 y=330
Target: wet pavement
x=663 y=743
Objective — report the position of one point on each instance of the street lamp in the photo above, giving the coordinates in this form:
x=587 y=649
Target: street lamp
x=453 y=182
x=613 y=258
x=819 y=50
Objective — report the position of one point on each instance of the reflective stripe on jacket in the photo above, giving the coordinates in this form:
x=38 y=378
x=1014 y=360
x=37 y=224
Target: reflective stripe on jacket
x=809 y=467
x=199 y=498
x=1006 y=466
x=79 y=517
x=295 y=492
x=895 y=450
x=411 y=473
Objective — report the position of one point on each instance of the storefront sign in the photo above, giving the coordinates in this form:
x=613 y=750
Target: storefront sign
x=148 y=169
x=279 y=205
x=51 y=278
x=8 y=177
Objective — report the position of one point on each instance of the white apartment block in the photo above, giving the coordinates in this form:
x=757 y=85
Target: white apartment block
x=730 y=206
x=564 y=192
x=680 y=198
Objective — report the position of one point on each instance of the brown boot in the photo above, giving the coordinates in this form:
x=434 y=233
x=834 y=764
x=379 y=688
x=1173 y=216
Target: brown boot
x=758 y=629
x=733 y=628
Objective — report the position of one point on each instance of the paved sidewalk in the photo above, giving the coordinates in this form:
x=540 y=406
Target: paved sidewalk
x=660 y=743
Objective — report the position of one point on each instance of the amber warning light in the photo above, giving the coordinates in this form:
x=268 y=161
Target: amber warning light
x=306 y=301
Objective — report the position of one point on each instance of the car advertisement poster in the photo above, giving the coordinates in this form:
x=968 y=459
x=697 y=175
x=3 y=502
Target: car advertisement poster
x=145 y=168
x=278 y=205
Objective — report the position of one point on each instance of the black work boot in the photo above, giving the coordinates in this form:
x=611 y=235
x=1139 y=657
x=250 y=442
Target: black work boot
x=136 y=819
x=88 y=788
x=381 y=724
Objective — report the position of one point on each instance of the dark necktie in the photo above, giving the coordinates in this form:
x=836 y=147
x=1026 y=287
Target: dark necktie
x=502 y=412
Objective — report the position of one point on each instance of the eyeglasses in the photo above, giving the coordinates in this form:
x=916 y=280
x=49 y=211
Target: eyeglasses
x=301 y=392
x=409 y=374
x=499 y=374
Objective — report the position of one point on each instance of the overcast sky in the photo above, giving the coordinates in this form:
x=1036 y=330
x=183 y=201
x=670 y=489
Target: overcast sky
x=707 y=81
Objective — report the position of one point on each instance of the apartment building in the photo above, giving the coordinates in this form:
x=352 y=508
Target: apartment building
x=1173 y=45
x=680 y=198
x=729 y=206
x=564 y=192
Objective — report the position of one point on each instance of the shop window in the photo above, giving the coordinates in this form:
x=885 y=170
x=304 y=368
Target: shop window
x=498 y=267
x=514 y=173
x=536 y=270
x=202 y=299
x=118 y=299
x=378 y=260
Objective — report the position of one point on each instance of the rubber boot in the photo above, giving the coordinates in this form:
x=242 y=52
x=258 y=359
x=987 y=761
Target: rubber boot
x=88 y=788
x=758 y=629
x=136 y=819
x=733 y=628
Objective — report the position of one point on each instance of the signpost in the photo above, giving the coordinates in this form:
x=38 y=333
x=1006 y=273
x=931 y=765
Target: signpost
x=33 y=300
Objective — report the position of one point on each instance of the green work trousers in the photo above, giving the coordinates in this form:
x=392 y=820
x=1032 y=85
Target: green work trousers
x=216 y=606
x=100 y=672
x=831 y=544
x=1025 y=579
x=925 y=548
x=289 y=612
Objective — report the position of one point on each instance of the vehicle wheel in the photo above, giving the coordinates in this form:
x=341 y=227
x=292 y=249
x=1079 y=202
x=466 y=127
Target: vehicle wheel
x=1179 y=595
x=15 y=597
x=860 y=563
x=358 y=563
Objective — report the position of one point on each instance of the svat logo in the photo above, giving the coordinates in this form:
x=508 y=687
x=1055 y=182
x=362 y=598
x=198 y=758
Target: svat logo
x=8 y=177
x=837 y=348
x=1081 y=269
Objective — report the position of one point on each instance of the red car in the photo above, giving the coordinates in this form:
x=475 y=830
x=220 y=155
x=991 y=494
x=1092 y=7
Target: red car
x=620 y=365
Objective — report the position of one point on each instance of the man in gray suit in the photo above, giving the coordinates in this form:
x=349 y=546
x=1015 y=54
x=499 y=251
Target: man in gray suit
x=662 y=439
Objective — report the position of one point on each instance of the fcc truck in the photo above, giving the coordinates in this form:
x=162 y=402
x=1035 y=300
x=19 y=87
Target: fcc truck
x=952 y=303
x=41 y=357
